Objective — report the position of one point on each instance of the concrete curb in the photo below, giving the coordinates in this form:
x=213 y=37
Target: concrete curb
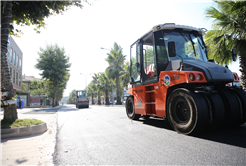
x=23 y=131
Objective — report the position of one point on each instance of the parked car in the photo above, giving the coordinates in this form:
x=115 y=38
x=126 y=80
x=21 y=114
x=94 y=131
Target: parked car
x=110 y=101
x=123 y=100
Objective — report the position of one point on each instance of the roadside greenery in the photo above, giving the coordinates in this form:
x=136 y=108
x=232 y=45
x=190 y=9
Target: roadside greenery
x=12 y=123
x=115 y=78
x=71 y=97
x=24 y=13
x=228 y=32
x=54 y=65
x=116 y=61
x=37 y=88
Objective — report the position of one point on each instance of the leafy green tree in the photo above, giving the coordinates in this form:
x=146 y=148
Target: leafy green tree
x=37 y=88
x=229 y=31
x=56 y=93
x=23 y=89
x=23 y=13
x=72 y=96
x=116 y=60
x=54 y=65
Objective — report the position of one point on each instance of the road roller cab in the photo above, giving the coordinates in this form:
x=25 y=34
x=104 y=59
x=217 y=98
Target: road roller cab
x=171 y=77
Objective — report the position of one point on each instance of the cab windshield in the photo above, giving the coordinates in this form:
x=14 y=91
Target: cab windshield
x=188 y=45
x=81 y=94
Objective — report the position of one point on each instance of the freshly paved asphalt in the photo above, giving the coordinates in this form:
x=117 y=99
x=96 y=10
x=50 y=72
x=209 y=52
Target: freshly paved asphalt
x=103 y=135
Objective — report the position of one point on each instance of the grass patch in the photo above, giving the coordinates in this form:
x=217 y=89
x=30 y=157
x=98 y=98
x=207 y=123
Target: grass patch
x=19 y=123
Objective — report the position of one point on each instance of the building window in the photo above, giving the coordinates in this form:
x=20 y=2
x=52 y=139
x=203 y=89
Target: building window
x=10 y=72
x=11 y=54
x=20 y=80
x=14 y=57
x=17 y=61
x=14 y=76
x=20 y=64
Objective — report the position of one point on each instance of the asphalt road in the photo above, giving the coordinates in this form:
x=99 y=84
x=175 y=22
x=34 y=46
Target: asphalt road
x=103 y=135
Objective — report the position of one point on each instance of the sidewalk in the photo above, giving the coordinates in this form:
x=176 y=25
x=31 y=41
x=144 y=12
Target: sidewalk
x=32 y=150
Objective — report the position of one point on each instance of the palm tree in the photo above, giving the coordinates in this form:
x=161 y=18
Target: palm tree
x=97 y=86
x=116 y=60
x=218 y=50
x=10 y=110
x=90 y=92
x=229 y=32
x=106 y=86
x=125 y=75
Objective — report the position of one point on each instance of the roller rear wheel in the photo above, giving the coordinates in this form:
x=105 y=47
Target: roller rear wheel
x=241 y=96
x=187 y=111
x=232 y=106
x=130 y=110
x=217 y=110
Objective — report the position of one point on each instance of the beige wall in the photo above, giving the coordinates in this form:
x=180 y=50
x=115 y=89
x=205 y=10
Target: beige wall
x=15 y=63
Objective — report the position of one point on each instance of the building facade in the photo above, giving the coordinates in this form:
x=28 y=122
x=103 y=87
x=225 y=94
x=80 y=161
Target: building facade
x=15 y=61
x=31 y=100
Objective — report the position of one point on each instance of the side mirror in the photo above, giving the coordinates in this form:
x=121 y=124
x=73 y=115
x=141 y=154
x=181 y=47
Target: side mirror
x=171 y=49
x=234 y=55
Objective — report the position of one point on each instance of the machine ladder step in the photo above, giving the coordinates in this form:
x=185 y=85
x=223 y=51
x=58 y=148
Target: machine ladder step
x=150 y=107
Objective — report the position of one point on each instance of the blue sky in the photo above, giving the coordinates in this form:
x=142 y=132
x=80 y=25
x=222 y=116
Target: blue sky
x=82 y=32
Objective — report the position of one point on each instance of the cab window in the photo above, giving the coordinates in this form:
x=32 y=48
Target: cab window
x=148 y=57
x=135 y=63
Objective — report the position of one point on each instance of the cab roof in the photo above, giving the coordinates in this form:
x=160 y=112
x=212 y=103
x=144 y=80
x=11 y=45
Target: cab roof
x=174 y=26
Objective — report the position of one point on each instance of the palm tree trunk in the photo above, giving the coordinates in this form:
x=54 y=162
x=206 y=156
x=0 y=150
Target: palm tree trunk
x=9 y=111
x=118 y=91
x=242 y=61
x=53 y=98
x=99 y=98
x=56 y=101
x=92 y=98
x=107 y=99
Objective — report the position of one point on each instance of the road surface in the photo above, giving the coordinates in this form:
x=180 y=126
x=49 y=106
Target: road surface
x=102 y=135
